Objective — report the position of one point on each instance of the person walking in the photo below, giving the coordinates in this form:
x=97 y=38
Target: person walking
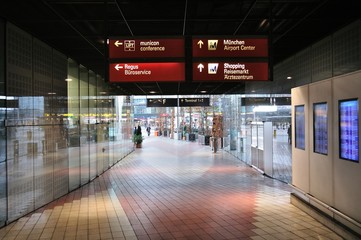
x=289 y=132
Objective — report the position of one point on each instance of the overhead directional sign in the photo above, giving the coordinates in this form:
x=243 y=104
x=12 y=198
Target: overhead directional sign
x=230 y=71
x=147 y=72
x=230 y=47
x=162 y=102
x=173 y=102
x=190 y=102
x=149 y=48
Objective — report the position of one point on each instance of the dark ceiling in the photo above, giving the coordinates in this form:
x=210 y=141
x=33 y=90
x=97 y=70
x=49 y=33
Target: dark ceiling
x=78 y=28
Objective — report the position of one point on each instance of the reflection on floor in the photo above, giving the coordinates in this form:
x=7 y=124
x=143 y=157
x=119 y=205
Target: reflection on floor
x=173 y=190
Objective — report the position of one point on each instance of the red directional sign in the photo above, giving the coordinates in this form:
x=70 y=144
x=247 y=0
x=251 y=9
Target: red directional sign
x=150 y=48
x=230 y=71
x=230 y=47
x=147 y=72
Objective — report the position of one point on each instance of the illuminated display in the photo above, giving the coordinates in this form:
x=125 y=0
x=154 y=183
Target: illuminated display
x=300 y=127
x=150 y=48
x=348 y=127
x=320 y=133
x=230 y=47
x=230 y=71
x=146 y=72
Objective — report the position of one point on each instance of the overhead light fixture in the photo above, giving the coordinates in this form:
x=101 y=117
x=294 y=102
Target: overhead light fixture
x=203 y=91
x=289 y=77
x=68 y=79
x=152 y=92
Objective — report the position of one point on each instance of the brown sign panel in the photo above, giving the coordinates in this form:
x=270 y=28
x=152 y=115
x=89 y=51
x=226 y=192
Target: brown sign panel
x=230 y=47
x=146 y=48
x=147 y=72
x=230 y=71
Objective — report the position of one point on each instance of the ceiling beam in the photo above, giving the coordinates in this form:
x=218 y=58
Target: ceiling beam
x=125 y=20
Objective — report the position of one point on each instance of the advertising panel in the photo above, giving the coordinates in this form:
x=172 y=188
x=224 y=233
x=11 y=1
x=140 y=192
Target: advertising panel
x=348 y=127
x=230 y=47
x=147 y=72
x=146 y=48
x=230 y=71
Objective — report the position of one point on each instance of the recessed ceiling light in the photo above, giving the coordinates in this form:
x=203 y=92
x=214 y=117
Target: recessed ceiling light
x=152 y=92
x=203 y=91
x=289 y=77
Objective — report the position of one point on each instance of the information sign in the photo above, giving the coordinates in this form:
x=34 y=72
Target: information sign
x=173 y=102
x=162 y=102
x=300 y=127
x=146 y=48
x=230 y=71
x=190 y=102
x=147 y=72
x=230 y=47
x=349 y=129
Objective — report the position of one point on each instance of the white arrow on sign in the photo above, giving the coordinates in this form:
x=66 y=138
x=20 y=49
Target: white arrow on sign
x=117 y=43
x=200 y=67
x=117 y=67
x=200 y=43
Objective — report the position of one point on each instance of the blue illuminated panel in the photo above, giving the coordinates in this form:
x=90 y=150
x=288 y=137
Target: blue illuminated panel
x=348 y=127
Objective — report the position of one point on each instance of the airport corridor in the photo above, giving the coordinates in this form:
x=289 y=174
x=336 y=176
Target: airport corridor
x=171 y=189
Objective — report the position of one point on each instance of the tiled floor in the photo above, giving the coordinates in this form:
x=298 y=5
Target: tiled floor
x=173 y=190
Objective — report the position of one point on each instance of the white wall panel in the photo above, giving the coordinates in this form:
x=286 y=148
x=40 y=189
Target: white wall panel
x=347 y=174
x=321 y=165
x=300 y=157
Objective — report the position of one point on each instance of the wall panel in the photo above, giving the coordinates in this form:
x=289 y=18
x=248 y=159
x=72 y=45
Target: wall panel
x=300 y=157
x=347 y=174
x=321 y=165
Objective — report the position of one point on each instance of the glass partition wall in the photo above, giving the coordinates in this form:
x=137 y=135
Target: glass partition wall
x=243 y=130
x=59 y=126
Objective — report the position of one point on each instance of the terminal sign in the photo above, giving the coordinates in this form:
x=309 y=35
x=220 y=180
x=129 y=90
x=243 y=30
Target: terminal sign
x=230 y=47
x=230 y=71
x=151 y=48
x=147 y=72
x=191 y=102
